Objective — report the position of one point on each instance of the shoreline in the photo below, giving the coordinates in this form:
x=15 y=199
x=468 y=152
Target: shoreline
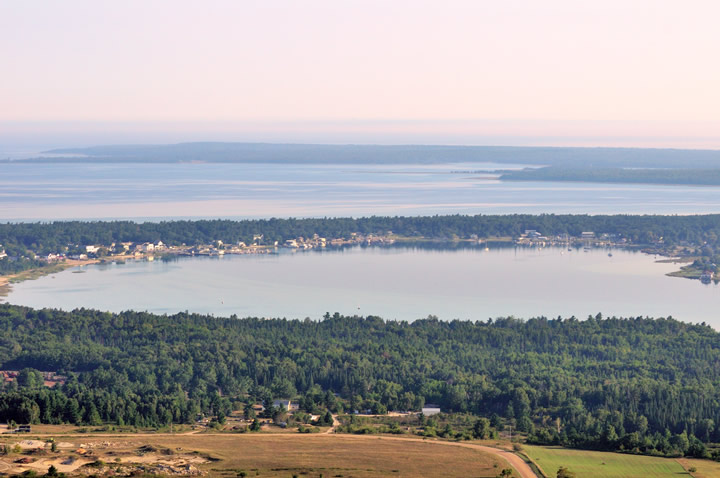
x=7 y=281
x=4 y=287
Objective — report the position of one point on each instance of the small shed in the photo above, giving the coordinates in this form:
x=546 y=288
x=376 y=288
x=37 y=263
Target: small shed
x=430 y=409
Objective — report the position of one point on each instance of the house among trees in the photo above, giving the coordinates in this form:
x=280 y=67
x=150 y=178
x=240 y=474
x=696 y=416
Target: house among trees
x=430 y=409
x=286 y=404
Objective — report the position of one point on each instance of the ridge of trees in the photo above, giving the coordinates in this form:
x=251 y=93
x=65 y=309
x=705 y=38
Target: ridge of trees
x=634 y=384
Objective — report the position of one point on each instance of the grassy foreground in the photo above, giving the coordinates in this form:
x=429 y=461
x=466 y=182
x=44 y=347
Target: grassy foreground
x=263 y=455
x=332 y=456
x=596 y=464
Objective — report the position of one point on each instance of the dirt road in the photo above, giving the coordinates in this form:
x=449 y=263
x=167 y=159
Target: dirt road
x=335 y=424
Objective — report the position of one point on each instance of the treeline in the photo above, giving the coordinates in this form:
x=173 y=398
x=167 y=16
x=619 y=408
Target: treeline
x=19 y=264
x=17 y=238
x=617 y=175
x=614 y=383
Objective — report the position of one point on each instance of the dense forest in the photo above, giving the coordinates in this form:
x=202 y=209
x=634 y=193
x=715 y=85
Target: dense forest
x=17 y=238
x=709 y=177
x=637 y=384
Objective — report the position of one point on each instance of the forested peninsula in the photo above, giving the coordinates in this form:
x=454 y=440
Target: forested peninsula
x=700 y=177
x=696 y=238
x=632 y=384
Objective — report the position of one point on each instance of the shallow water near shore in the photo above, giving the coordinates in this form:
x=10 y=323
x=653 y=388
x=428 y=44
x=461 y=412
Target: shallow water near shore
x=403 y=283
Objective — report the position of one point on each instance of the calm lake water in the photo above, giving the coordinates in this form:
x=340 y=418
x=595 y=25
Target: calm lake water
x=32 y=192
x=394 y=283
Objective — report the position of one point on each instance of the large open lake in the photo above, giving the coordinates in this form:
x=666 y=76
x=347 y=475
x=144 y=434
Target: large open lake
x=395 y=283
x=144 y=191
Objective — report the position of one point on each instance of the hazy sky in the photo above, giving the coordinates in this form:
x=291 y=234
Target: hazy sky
x=470 y=71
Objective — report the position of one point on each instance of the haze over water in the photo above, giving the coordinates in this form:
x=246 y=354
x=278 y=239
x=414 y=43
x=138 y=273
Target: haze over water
x=143 y=191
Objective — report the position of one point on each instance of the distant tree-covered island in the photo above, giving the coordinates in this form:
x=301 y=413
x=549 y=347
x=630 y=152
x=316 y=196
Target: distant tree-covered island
x=623 y=165
x=539 y=156
x=629 y=384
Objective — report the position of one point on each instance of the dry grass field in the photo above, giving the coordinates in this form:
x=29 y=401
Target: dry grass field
x=336 y=456
x=264 y=455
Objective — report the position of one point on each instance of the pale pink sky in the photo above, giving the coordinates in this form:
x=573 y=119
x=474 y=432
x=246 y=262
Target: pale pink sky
x=465 y=71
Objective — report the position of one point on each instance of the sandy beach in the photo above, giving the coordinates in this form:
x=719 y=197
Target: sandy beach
x=30 y=274
x=4 y=286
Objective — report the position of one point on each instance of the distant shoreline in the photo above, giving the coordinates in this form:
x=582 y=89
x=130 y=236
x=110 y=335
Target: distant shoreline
x=670 y=177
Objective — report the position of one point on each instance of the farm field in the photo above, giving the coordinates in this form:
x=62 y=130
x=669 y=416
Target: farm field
x=596 y=464
x=265 y=455
x=705 y=468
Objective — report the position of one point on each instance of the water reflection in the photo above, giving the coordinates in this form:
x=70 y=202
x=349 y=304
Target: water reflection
x=453 y=280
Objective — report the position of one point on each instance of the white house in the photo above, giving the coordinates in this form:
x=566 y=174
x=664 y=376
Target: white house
x=430 y=409
x=147 y=247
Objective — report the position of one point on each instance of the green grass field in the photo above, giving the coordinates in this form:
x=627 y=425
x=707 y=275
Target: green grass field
x=704 y=468
x=595 y=464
